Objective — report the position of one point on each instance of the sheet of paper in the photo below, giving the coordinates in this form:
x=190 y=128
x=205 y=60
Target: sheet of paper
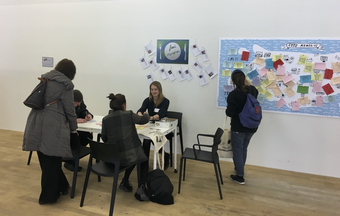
x=150 y=49
x=270 y=76
x=245 y=56
x=336 y=67
x=306 y=79
x=281 y=70
x=319 y=100
x=144 y=63
x=303 y=101
x=188 y=74
x=290 y=84
x=171 y=75
x=277 y=91
x=287 y=78
x=210 y=71
x=316 y=76
x=328 y=74
x=320 y=65
x=232 y=51
x=317 y=87
x=327 y=89
x=227 y=64
x=277 y=57
x=269 y=64
x=295 y=106
x=290 y=92
x=302 y=59
x=266 y=82
x=180 y=74
x=153 y=64
x=252 y=74
x=259 y=61
x=197 y=66
x=150 y=78
x=263 y=71
x=272 y=85
x=163 y=73
x=335 y=80
x=278 y=78
x=256 y=81
x=195 y=49
x=202 y=79
x=302 y=89
x=308 y=67
x=226 y=73
x=329 y=98
x=204 y=55
x=238 y=65
x=268 y=95
x=280 y=103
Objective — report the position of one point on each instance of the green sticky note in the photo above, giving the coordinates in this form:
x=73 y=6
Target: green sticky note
x=302 y=89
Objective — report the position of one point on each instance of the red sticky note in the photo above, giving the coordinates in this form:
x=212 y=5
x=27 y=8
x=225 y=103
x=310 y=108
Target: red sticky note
x=328 y=74
x=277 y=63
x=328 y=89
x=245 y=56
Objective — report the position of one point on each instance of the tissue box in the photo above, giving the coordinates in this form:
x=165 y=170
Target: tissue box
x=165 y=123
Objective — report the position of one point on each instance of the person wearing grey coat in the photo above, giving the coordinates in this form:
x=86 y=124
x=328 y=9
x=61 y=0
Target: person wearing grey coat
x=48 y=131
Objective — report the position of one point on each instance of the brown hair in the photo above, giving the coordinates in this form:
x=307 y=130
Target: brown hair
x=239 y=79
x=116 y=101
x=66 y=67
x=161 y=96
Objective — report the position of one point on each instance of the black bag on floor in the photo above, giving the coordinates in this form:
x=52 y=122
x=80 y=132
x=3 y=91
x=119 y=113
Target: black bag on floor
x=160 y=187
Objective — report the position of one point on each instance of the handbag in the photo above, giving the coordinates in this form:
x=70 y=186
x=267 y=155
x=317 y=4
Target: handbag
x=224 y=148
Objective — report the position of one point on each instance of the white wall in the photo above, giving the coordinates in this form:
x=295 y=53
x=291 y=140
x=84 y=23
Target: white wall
x=105 y=39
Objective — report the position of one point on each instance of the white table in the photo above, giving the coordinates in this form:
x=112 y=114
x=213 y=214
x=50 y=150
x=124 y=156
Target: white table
x=93 y=126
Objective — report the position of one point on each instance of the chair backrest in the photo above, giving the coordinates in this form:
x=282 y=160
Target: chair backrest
x=176 y=115
x=108 y=152
x=217 y=139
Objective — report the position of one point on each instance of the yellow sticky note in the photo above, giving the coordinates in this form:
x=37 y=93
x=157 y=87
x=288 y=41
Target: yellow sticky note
x=268 y=95
x=259 y=61
x=309 y=67
x=226 y=73
x=336 y=67
x=271 y=85
x=260 y=89
x=238 y=64
x=266 y=82
x=316 y=77
x=271 y=75
x=277 y=57
x=302 y=59
x=278 y=77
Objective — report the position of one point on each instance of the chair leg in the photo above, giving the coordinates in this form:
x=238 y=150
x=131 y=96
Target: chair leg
x=181 y=139
x=180 y=175
x=29 y=158
x=185 y=163
x=114 y=190
x=75 y=174
x=219 y=169
x=218 y=181
x=139 y=176
x=170 y=143
x=86 y=182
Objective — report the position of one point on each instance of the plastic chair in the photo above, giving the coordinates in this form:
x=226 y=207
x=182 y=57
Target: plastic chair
x=109 y=166
x=175 y=115
x=196 y=153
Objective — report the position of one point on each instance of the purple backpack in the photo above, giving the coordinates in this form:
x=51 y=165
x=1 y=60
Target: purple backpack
x=251 y=114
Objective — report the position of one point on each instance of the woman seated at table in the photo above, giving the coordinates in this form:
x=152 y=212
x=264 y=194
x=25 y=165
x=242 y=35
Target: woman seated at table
x=119 y=127
x=157 y=106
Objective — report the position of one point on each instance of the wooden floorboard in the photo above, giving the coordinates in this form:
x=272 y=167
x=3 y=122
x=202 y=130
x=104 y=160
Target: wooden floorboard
x=266 y=192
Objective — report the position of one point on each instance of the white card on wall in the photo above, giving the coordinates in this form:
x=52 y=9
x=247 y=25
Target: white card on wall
x=47 y=61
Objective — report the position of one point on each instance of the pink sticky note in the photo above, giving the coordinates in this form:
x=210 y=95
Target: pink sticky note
x=317 y=86
x=280 y=103
x=281 y=70
x=295 y=106
x=263 y=71
x=287 y=78
x=319 y=100
x=320 y=65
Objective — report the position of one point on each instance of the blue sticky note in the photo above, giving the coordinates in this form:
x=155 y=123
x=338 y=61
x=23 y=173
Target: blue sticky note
x=260 y=98
x=306 y=78
x=256 y=81
x=253 y=74
x=227 y=64
x=269 y=63
x=232 y=51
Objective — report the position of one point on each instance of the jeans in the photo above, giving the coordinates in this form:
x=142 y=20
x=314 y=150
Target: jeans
x=239 y=143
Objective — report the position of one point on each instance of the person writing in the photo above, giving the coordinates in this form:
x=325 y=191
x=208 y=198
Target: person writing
x=240 y=135
x=157 y=106
x=119 y=127
x=83 y=115
x=48 y=131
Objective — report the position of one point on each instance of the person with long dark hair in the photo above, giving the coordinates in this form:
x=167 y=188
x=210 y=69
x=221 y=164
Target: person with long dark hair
x=240 y=135
x=48 y=131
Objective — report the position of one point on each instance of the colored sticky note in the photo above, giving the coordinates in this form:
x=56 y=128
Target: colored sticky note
x=227 y=64
x=277 y=63
x=302 y=59
x=290 y=92
x=290 y=84
x=253 y=74
x=256 y=81
x=271 y=76
x=329 y=99
x=317 y=86
x=268 y=95
x=281 y=70
x=335 y=80
x=320 y=65
x=316 y=77
x=226 y=73
x=287 y=78
x=245 y=56
x=302 y=89
x=259 y=60
x=319 y=100
x=266 y=82
x=295 y=106
x=306 y=79
x=327 y=89
x=280 y=103
x=232 y=51
x=260 y=89
x=309 y=67
x=269 y=64
x=276 y=57
x=336 y=67
x=238 y=64
x=303 y=100
x=263 y=71
x=328 y=74
x=260 y=98
x=277 y=91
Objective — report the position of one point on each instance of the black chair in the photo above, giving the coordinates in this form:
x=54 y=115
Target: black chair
x=77 y=155
x=175 y=115
x=109 y=166
x=196 y=153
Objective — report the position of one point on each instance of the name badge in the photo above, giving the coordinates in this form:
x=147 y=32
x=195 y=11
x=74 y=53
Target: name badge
x=156 y=110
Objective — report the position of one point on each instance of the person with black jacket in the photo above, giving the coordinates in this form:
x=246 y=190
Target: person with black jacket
x=240 y=135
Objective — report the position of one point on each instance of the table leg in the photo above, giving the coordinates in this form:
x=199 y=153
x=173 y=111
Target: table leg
x=154 y=159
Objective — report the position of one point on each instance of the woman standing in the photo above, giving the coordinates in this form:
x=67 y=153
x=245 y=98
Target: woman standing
x=119 y=127
x=240 y=135
x=48 y=131
x=157 y=106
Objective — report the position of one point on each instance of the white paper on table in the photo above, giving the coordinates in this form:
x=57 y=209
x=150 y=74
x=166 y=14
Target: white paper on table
x=144 y=63
x=197 y=66
x=195 y=49
x=171 y=75
x=188 y=74
x=210 y=71
x=150 y=78
x=180 y=74
x=163 y=73
x=153 y=64
x=150 y=49
x=204 y=55
x=202 y=79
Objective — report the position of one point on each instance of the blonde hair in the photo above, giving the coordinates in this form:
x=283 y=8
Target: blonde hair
x=160 y=96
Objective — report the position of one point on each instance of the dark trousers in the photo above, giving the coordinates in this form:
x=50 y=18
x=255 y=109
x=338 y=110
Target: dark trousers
x=53 y=180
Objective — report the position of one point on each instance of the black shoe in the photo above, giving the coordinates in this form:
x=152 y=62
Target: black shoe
x=44 y=202
x=70 y=167
x=237 y=179
x=166 y=160
x=126 y=186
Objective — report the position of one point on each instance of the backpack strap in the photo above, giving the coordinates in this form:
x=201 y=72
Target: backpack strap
x=46 y=80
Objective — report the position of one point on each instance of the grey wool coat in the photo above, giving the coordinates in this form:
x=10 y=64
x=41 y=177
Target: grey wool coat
x=48 y=130
x=119 y=127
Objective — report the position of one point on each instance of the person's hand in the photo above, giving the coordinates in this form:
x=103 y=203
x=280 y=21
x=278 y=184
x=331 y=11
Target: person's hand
x=80 y=120
x=88 y=117
x=140 y=114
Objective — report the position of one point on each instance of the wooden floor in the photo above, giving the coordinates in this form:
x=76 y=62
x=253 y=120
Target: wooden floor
x=266 y=192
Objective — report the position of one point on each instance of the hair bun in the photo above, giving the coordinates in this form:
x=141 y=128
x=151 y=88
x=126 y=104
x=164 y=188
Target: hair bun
x=111 y=96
